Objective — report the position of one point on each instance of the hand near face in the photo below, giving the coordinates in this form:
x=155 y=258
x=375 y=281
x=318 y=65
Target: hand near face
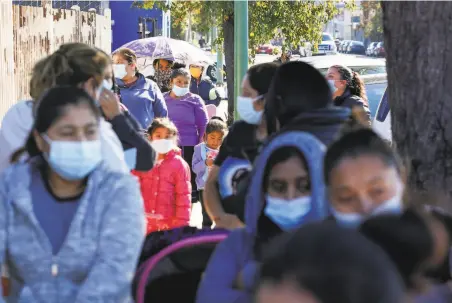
x=109 y=104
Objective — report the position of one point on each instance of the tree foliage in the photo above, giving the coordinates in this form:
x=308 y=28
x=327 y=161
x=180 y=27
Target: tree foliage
x=372 y=20
x=295 y=21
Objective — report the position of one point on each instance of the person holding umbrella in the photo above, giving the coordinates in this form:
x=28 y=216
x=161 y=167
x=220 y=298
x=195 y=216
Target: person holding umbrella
x=140 y=95
x=203 y=86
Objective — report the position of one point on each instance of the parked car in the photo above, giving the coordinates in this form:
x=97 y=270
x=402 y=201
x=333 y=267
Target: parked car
x=356 y=47
x=327 y=46
x=344 y=46
x=265 y=49
x=361 y=65
x=380 y=50
x=381 y=124
x=375 y=85
x=370 y=48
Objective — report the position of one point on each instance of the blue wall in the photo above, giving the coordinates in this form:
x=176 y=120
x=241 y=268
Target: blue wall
x=125 y=26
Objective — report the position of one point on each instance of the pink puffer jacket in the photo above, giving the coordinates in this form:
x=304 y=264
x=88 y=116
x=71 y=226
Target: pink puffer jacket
x=166 y=191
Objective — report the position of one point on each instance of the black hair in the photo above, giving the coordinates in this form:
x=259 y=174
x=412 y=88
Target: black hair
x=157 y=61
x=354 y=82
x=216 y=125
x=442 y=274
x=217 y=118
x=260 y=76
x=297 y=87
x=177 y=65
x=165 y=123
x=180 y=72
x=359 y=142
x=333 y=264
x=406 y=239
x=281 y=155
x=266 y=228
x=49 y=108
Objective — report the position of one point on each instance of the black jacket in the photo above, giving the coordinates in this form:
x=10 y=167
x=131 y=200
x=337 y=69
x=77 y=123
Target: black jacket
x=132 y=136
x=350 y=101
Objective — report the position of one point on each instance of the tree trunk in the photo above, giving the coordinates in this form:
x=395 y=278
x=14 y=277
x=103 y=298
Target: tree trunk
x=417 y=41
x=228 y=34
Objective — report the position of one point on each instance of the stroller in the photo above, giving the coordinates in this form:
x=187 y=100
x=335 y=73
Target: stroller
x=172 y=264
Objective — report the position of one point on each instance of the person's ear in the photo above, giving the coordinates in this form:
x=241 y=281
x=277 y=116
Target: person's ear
x=41 y=144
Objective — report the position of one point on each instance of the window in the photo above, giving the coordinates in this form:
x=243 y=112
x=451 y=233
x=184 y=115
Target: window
x=326 y=38
x=383 y=109
x=375 y=92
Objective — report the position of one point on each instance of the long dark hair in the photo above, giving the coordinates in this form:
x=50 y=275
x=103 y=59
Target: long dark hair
x=354 y=82
x=297 y=87
x=52 y=105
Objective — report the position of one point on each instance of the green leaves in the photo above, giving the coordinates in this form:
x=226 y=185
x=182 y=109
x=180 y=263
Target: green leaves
x=294 y=20
x=372 y=20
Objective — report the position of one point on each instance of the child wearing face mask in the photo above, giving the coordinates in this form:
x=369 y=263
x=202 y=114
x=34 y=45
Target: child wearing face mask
x=204 y=156
x=189 y=114
x=166 y=189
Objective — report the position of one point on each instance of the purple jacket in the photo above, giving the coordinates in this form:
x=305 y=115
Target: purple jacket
x=190 y=116
x=437 y=294
x=198 y=164
x=235 y=254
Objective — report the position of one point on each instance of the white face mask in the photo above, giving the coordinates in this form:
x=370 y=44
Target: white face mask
x=287 y=214
x=180 y=91
x=119 y=70
x=163 y=146
x=73 y=160
x=247 y=111
x=107 y=84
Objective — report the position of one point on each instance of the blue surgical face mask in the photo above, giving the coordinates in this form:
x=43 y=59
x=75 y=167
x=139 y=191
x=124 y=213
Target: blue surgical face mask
x=73 y=160
x=287 y=214
x=392 y=206
x=247 y=111
x=348 y=220
x=180 y=91
x=332 y=84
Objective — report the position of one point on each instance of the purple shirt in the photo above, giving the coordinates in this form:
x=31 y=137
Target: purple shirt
x=54 y=215
x=189 y=114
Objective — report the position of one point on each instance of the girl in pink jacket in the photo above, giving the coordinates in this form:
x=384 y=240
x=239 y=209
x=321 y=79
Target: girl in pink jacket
x=166 y=189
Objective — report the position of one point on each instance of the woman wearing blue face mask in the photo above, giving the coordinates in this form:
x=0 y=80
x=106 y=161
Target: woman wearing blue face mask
x=286 y=191
x=364 y=176
x=71 y=229
x=188 y=112
x=239 y=148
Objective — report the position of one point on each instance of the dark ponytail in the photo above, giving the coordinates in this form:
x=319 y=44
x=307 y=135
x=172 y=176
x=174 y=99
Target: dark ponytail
x=354 y=82
x=51 y=107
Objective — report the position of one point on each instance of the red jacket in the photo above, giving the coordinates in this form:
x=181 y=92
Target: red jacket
x=166 y=191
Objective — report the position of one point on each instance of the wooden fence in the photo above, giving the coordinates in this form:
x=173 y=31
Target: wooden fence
x=28 y=34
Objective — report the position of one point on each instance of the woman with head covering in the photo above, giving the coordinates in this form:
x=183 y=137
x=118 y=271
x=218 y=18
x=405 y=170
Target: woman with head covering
x=286 y=191
x=300 y=99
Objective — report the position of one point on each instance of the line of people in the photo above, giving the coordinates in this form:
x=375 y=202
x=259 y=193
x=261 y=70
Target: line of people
x=315 y=200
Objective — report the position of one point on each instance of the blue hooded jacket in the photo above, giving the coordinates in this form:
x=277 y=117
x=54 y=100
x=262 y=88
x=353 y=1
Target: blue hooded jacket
x=235 y=255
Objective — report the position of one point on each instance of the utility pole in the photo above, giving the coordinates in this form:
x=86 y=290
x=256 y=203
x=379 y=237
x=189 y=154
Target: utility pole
x=240 y=47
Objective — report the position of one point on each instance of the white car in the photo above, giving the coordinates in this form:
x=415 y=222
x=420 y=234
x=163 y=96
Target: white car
x=328 y=46
x=382 y=121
